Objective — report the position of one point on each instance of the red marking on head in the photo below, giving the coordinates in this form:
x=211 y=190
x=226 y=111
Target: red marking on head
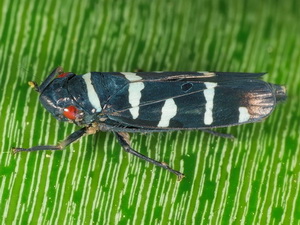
x=71 y=112
x=63 y=75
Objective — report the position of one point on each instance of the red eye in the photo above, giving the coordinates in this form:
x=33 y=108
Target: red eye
x=71 y=112
x=63 y=75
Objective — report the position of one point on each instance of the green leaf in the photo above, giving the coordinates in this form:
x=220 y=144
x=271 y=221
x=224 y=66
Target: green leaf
x=252 y=180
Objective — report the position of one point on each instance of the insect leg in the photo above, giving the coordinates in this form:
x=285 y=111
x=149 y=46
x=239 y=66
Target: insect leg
x=46 y=82
x=218 y=134
x=123 y=139
x=138 y=70
x=70 y=139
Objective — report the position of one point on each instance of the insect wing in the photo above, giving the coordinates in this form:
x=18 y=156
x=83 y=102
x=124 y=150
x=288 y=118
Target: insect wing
x=191 y=101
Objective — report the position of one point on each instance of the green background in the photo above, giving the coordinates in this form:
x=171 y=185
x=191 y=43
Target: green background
x=252 y=180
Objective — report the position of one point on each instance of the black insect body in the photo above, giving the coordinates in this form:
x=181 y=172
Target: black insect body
x=154 y=102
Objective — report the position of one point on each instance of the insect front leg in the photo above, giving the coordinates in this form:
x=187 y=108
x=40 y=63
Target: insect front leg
x=123 y=139
x=70 y=139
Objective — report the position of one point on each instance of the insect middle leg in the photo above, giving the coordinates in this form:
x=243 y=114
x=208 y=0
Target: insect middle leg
x=123 y=139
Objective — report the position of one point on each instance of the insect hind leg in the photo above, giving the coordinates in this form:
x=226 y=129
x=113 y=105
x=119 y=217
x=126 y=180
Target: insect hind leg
x=218 y=134
x=123 y=139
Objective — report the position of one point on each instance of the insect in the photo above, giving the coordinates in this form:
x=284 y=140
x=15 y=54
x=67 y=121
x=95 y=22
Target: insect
x=124 y=103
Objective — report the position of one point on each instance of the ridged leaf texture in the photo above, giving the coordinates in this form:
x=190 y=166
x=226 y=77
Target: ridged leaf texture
x=254 y=179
